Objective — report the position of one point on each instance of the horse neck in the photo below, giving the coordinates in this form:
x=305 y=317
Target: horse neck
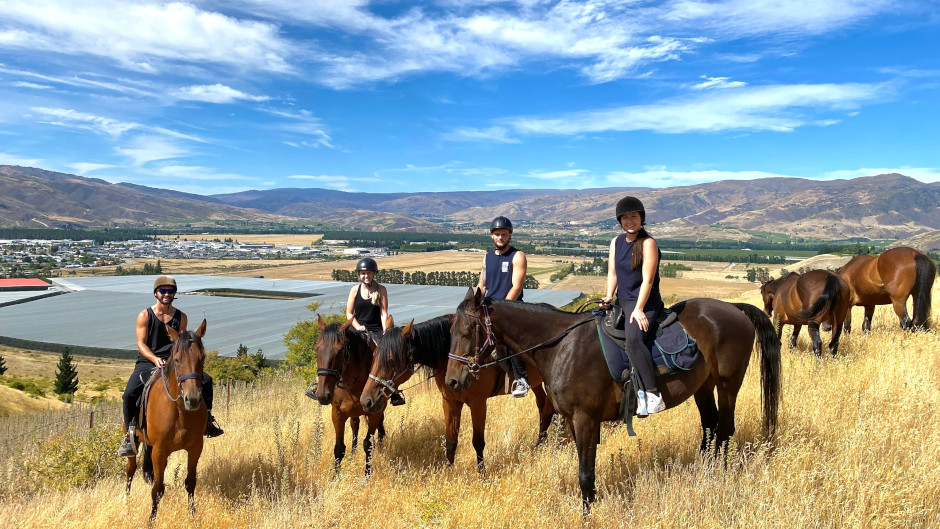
x=360 y=356
x=521 y=326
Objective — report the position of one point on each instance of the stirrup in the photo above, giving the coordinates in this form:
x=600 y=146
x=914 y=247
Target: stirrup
x=212 y=428
x=128 y=447
x=519 y=388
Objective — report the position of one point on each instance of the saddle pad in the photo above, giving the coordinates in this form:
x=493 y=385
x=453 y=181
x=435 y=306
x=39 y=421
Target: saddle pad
x=673 y=349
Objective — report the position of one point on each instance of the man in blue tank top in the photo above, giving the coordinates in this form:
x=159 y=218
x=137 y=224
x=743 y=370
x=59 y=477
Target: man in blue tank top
x=502 y=277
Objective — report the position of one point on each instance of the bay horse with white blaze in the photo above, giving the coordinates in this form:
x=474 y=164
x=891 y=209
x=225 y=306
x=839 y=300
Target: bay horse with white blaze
x=175 y=416
x=891 y=278
x=567 y=351
x=343 y=361
x=403 y=350
x=814 y=298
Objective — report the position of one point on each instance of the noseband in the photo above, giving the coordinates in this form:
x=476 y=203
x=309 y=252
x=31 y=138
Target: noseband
x=346 y=351
x=473 y=364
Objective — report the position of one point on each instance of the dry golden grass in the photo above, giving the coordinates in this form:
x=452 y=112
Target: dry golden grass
x=858 y=446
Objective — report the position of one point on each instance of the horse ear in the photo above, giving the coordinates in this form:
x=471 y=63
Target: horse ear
x=321 y=322
x=469 y=294
x=172 y=332
x=478 y=296
x=406 y=330
x=451 y=318
x=201 y=331
x=343 y=327
x=389 y=322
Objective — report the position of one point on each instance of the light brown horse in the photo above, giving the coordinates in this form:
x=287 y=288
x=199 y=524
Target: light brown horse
x=892 y=277
x=814 y=298
x=176 y=416
x=403 y=350
x=344 y=357
x=567 y=351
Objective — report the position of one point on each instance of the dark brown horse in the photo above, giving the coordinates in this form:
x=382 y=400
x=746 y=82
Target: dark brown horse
x=343 y=361
x=892 y=277
x=403 y=350
x=814 y=298
x=567 y=352
x=175 y=416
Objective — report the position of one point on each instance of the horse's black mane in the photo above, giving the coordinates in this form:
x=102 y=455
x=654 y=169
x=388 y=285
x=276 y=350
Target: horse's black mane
x=429 y=340
x=184 y=340
x=532 y=307
x=331 y=334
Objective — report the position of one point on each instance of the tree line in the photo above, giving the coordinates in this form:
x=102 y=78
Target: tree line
x=394 y=276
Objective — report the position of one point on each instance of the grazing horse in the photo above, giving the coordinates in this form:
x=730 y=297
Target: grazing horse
x=175 y=417
x=567 y=351
x=814 y=298
x=427 y=344
x=892 y=277
x=343 y=360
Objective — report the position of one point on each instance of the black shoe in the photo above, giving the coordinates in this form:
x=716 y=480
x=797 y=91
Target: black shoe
x=128 y=447
x=397 y=399
x=212 y=427
x=312 y=393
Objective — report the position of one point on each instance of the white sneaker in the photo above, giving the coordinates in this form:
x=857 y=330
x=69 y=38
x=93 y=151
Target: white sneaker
x=649 y=402
x=520 y=388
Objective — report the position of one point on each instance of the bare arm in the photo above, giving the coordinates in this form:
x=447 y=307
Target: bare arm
x=383 y=292
x=519 y=266
x=481 y=284
x=142 y=320
x=650 y=264
x=349 y=308
x=611 y=274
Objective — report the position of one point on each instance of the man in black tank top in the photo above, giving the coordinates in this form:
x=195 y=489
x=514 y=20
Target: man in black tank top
x=153 y=347
x=503 y=277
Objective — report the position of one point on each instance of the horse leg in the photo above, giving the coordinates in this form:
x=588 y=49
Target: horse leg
x=587 y=436
x=192 y=460
x=795 y=335
x=156 y=492
x=869 y=312
x=900 y=308
x=478 y=419
x=354 y=426
x=339 y=445
x=381 y=429
x=834 y=339
x=847 y=323
x=814 y=338
x=546 y=412
x=452 y=410
x=727 y=400
x=708 y=412
x=130 y=467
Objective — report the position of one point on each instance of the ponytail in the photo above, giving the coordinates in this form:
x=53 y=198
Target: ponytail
x=636 y=254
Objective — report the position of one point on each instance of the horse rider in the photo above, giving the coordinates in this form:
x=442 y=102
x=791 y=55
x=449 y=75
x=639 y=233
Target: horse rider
x=502 y=277
x=633 y=269
x=153 y=347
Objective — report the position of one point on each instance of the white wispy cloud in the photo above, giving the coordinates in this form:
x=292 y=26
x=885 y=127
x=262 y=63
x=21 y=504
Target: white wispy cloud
x=144 y=149
x=84 y=168
x=140 y=35
x=711 y=83
x=215 y=93
x=194 y=172
x=13 y=159
x=337 y=182
x=660 y=177
x=557 y=175
x=780 y=108
x=34 y=86
x=66 y=117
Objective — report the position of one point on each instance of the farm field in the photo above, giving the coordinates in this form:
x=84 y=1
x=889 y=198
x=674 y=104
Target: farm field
x=857 y=446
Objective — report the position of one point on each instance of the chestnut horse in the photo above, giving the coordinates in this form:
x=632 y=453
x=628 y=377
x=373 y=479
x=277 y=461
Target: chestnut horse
x=427 y=344
x=814 y=298
x=892 y=277
x=567 y=352
x=343 y=361
x=175 y=417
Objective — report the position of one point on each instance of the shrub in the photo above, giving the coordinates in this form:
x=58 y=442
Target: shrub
x=73 y=459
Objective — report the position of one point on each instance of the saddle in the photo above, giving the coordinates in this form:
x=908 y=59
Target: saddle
x=155 y=375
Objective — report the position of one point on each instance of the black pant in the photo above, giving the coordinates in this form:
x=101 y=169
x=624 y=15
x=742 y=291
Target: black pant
x=639 y=355
x=135 y=388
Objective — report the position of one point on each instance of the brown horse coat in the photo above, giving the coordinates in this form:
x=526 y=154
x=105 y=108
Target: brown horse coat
x=891 y=278
x=814 y=298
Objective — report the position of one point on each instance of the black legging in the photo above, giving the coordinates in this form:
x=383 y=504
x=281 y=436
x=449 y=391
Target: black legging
x=135 y=388
x=639 y=355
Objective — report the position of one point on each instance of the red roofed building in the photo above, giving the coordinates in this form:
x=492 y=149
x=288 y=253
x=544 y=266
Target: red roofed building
x=23 y=284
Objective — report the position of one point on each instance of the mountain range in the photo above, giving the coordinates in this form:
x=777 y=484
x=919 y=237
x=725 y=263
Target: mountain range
x=887 y=206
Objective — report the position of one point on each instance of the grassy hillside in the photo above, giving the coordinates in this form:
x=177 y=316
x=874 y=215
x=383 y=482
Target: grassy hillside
x=858 y=446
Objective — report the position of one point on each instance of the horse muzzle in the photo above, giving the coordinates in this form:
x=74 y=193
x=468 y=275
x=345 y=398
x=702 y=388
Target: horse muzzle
x=192 y=400
x=459 y=381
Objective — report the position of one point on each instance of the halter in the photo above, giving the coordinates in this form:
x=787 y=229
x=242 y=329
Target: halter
x=473 y=364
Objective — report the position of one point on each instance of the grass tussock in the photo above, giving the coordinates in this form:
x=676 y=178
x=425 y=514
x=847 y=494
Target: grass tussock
x=857 y=446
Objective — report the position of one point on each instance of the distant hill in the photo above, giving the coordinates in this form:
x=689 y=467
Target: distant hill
x=890 y=206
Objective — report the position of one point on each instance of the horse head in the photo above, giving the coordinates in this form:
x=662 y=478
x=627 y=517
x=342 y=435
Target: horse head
x=187 y=361
x=392 y=366
x=333 y=349
x=468 y=341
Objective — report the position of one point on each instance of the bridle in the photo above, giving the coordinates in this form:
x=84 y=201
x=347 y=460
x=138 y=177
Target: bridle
x=346 y=351
x=179 y=378
x=388 y=386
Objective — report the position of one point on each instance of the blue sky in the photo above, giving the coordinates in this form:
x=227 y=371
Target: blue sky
x=446 y=95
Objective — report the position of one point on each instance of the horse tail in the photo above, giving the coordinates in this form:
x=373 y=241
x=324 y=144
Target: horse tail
x=926 y=271
x=830 y=294
x=771 y=365
x=147 y=456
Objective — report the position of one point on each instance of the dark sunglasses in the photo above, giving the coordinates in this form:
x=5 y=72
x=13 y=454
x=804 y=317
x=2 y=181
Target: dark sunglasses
x=166 y=290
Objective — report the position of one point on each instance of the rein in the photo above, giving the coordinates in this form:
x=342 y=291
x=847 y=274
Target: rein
x=474 y=365
x=179 y=380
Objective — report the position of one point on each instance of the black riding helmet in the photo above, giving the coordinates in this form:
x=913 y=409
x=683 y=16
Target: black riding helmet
x=367 y=263
x=629 y=205
x=501 y=222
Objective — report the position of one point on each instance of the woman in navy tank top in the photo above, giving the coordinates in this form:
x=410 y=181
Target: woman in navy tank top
x=633 y=270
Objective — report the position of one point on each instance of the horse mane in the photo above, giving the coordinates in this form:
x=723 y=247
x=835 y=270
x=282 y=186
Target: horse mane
x=182 y=344
x=543 y=308
x=430 y=340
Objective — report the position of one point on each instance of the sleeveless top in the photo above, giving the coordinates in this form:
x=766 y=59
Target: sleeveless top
x=499 y=273
x=367 y=314
x=629 y=280
x=157 y=338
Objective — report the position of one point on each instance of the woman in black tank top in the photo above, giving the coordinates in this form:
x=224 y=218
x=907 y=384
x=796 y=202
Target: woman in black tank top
x=367 y=305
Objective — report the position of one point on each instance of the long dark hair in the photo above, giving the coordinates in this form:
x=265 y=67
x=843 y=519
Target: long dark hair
x=636 y=255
